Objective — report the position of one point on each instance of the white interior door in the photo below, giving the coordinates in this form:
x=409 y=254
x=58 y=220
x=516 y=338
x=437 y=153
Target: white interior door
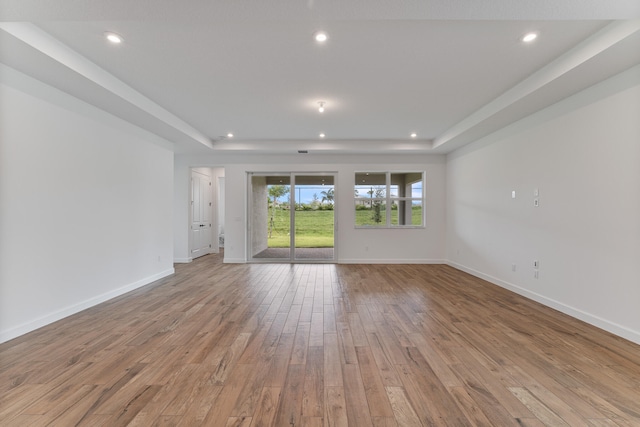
x=200 y=214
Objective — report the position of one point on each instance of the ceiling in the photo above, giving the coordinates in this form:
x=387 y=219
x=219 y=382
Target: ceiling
x=192 y=72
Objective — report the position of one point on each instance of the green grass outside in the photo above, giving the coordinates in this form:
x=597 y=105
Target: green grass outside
x=314 y=229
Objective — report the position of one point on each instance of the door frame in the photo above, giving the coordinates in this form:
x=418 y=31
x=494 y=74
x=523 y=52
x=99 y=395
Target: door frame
x=292 y=179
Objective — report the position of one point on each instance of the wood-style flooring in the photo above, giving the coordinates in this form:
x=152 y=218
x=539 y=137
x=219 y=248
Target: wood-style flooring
x=319 y=345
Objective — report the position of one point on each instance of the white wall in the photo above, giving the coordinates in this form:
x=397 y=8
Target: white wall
x=385 y=245
x=85 y=205
x=583 y=155
x=181 y=213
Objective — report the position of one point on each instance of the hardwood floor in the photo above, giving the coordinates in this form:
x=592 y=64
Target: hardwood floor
x=319 y=345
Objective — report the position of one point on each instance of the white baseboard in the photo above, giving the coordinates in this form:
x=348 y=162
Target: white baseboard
x=182 y=260
x=391 y=261
x=359 y=261
x=32 y=325
x=594 y=320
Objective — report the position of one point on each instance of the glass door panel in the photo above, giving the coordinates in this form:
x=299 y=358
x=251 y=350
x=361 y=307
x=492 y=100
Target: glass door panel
x=270 y=217
x=314 y=217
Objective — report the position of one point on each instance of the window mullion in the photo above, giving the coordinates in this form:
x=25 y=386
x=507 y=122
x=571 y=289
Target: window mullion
x=387 y=203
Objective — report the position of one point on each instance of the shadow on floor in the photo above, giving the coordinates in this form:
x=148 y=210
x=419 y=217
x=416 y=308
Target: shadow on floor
x=301 y=253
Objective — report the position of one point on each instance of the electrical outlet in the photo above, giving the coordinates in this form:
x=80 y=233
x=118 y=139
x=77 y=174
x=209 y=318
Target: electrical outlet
x=536 y=202
x=535 y=274
x=513 y=267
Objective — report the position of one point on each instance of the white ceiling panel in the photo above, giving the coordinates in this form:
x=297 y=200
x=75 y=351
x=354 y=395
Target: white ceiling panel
x=192 y=72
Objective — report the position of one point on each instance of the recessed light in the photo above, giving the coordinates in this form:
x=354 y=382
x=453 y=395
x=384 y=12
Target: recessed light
x=321 y=106
x=320 y=36
x=529 y=37
x=413 y=135
x=113 y=38
x=322 y=135
x=229 y=135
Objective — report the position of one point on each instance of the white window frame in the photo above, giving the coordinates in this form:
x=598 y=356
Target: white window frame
x=388 y=199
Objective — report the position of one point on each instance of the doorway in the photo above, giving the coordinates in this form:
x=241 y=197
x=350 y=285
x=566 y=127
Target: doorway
x=292 y=217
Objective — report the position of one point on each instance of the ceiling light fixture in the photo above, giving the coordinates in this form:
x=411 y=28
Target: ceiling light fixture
x=113 y=38
x=322 y=135
x=413 y=135
x=321 y=106
x=320 y=36
x=529 y=37
x=229 y=135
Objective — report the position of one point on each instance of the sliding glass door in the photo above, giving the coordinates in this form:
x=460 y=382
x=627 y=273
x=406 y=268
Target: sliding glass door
x=291 y=217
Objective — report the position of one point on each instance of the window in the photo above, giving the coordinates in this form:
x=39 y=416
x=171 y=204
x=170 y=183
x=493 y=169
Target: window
x=389 y=199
